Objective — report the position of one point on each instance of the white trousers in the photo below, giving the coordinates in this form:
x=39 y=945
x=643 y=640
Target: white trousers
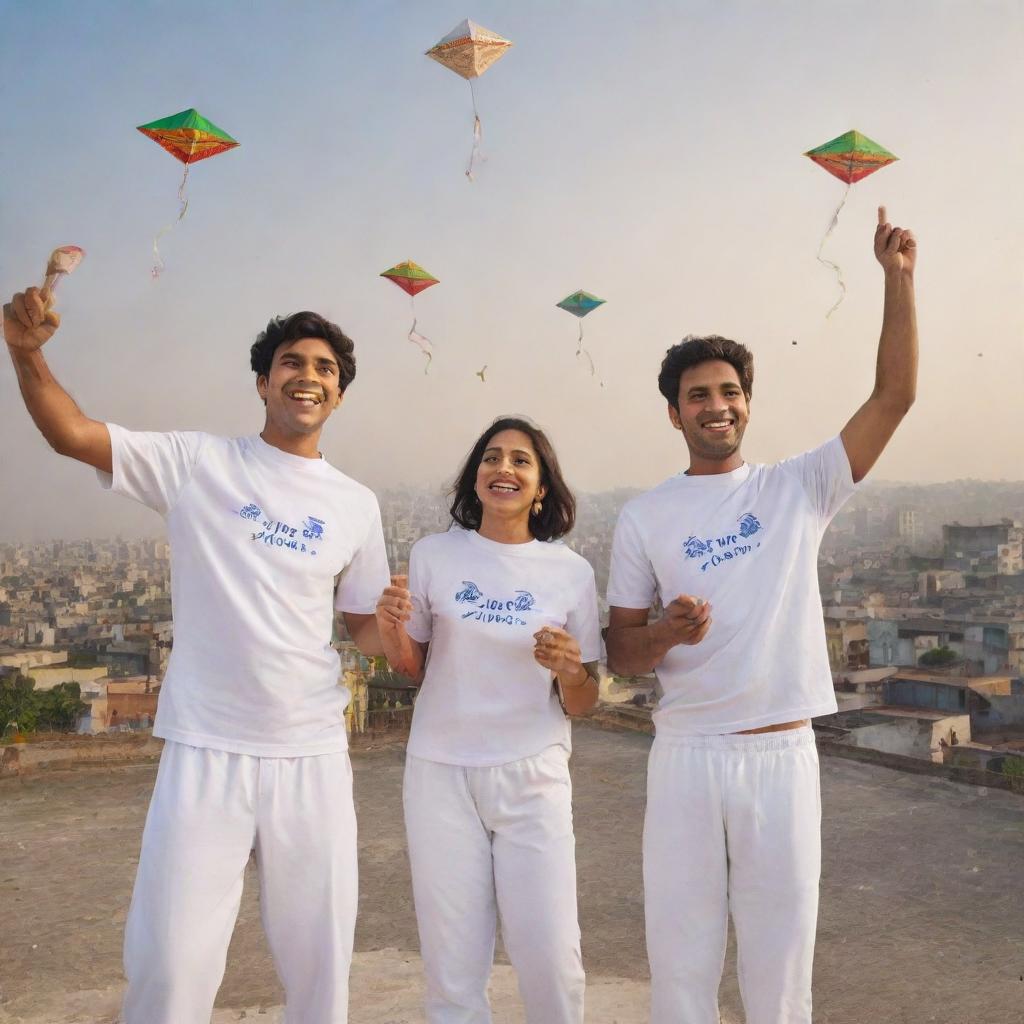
x=484 y=841
x=733 y=824
x=209 y=810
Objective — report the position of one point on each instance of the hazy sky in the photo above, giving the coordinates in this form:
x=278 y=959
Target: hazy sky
x=649 y=153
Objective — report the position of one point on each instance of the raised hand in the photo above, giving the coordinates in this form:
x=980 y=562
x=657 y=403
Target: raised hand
x=394 y=608
x=686 y=620
x=29 y=323
x=895 y=248
x=558 y=651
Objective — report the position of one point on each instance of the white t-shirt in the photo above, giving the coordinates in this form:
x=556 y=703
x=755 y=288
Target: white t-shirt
x=257 y=538
x=747 y=542
x=485 y=701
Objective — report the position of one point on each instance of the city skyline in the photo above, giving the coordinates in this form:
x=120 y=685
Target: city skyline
x=652 y=155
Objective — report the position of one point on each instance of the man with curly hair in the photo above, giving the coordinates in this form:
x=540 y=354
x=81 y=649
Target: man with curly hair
x=255 y=755
x=730 y=550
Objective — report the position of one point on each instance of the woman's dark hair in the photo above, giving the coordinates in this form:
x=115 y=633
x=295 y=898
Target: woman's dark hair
x=693 y=351
x=283 y=330
x=557 y=516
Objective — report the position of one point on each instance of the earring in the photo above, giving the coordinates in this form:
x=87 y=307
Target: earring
x=535 y=509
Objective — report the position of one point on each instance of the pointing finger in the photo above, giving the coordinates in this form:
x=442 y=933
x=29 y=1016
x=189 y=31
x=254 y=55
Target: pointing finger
x=881 y=215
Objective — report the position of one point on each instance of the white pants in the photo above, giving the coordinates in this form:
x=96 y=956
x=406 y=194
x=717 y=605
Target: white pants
x=209 y=809
x=484 y=841
x=733 y=824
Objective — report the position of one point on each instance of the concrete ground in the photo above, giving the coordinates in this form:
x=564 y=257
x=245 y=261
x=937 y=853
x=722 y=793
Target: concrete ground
x=922 y=912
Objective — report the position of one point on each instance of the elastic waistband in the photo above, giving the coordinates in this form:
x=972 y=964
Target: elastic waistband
x=759 y=741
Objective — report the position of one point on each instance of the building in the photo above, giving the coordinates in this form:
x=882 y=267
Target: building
x=992 y=549
x=123 y=703
x=847 y=642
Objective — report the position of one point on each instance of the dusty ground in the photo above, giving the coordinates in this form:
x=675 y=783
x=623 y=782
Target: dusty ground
x=922 y=913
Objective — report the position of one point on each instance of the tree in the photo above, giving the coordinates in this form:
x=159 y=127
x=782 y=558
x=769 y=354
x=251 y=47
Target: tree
x=1013 y=769
x=18 y=703
x=61 y=707
x=938 y=656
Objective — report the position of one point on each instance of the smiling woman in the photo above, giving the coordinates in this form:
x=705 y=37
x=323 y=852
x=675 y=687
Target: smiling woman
x=557 y=512
x=509 y=616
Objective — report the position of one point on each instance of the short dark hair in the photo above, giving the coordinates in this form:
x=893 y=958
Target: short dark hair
x=283 y=330
x=692 y=351
x=557 y=516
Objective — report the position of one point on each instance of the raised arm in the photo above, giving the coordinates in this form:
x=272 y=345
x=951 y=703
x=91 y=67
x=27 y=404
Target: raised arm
x=28 y=324
x=874 y=423
x=636 y=647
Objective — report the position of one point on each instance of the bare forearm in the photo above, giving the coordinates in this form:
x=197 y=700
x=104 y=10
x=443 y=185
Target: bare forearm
x=52 y=409
x=636 y=650
x=403 y=653
x=896 y=367
x=579 y=690
x=66 y=428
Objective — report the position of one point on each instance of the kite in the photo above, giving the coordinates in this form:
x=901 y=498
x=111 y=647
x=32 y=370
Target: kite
x=469 y=50
x=850 y=157
x=580 y=304
x=483 y=380
x=188 y=137
x=62 y=261
x=413 y=279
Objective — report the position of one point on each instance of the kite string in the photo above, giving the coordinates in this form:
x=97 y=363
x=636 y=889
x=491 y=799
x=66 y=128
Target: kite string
x=474 y=153
x=828 y=263
x=582 y=351
x=158 y=265
x=425 y=344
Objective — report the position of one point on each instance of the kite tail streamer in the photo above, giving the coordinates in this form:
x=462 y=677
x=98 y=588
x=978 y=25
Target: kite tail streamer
x=583 y=351
x=158 y=264
x=828 y=263
x=424 y=343
x=474 y=154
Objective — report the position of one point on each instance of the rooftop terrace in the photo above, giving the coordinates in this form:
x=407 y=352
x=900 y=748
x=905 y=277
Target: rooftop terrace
x=922 y=910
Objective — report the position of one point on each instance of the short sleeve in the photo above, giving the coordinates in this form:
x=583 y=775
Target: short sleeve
x=420 y=624
x=151 y=468
x=826 y=477
x=364 y=578
x=583 y=621
x=631 y=579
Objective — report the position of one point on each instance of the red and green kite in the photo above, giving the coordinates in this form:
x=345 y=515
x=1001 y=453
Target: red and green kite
x=851 y=157
x=188 y=137
x=413 y=279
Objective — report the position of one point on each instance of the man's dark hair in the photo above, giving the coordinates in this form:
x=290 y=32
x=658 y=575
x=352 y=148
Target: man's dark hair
x=692 y=351
x=559 y=512
x=283 y=330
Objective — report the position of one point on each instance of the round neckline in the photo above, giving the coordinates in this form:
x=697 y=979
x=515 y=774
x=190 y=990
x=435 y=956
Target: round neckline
x=283 y=458
x=737 y=475
x=499 y=547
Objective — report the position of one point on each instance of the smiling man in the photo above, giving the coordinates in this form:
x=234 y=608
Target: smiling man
x=255 y=754
x=730 y=550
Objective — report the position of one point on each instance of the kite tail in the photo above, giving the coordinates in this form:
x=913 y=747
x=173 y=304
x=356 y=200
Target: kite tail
x=158 y=260
x=583 y=351
x=474 y=153
x=828 y=263
x=426 y=347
